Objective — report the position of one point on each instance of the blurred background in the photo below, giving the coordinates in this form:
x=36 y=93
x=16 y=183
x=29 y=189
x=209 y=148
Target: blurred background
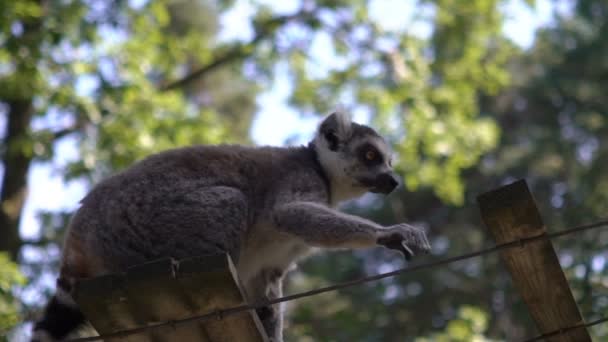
x=472 y=95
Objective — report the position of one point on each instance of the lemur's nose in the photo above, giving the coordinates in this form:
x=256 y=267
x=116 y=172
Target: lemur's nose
x=386 y=182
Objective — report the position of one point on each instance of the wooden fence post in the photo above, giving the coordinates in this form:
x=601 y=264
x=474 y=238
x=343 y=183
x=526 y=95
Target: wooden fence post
x=168 y=290
x=510 y=213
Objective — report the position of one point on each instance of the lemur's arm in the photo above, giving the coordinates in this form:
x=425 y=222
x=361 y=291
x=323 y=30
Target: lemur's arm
x=321 y=226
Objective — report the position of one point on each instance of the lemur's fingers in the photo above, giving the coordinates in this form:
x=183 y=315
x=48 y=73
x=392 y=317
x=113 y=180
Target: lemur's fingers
x=415 y=238
x=408 y=252
x=422 y=242
x=408 y=240
x=396 y=242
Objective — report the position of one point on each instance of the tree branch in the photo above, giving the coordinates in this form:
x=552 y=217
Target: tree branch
x=14 y=182
x=239 y=51
x=65 y=131
x=38 y=242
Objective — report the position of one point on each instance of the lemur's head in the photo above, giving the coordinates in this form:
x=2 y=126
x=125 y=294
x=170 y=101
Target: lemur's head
x=355 y=157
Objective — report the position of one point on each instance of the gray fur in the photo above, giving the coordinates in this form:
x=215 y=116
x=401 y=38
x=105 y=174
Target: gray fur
x=266 y=206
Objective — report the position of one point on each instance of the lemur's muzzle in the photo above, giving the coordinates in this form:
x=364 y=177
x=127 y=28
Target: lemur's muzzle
x=385 y=183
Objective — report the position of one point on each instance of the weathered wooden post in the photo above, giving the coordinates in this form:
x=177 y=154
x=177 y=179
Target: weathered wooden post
x=168 y=290
x=510 y=213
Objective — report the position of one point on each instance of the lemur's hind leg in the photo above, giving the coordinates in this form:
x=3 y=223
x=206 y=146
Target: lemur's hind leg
x=268 y=284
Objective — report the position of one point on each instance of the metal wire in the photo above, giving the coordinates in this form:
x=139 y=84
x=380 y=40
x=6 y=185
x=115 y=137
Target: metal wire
x=570 y=328
x=222 y=313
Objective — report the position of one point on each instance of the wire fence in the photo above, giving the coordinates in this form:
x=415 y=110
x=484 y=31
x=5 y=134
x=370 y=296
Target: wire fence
x=221 y=313
x=570 y=328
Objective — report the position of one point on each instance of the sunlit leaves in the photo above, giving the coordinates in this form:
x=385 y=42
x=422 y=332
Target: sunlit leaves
x=469 y=326
x=10 y=277
x=134 y=117
x=422 y=92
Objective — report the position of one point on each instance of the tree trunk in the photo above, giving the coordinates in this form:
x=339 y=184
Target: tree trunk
x=16 y=161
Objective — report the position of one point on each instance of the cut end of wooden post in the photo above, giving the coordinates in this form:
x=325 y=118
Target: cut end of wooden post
x=511 y=213
x=507 y=195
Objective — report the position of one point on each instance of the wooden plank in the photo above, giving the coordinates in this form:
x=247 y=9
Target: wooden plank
x=510 y=213
x=155 y=297
x=218 y=276
x=166 y=290
x=103 y=301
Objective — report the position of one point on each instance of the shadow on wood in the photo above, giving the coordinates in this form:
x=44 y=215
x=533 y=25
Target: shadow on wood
x=167 y=290
x=510 y=213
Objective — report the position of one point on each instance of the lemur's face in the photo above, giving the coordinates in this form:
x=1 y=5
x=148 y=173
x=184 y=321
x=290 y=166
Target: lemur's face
x=355 y=156
x=368 y=162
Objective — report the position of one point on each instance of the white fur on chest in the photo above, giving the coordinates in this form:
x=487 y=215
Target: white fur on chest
x=269 y=249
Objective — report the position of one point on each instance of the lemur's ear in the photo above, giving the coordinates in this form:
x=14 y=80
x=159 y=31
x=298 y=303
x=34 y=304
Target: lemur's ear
x=336 y=129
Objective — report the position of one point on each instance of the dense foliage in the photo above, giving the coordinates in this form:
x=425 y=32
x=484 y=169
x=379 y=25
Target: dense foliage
x=465 y=109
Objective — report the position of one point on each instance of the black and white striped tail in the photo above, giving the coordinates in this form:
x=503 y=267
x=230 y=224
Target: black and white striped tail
x=61 y=317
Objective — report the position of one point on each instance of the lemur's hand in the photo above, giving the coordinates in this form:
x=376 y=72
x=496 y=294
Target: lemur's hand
x=408 y=240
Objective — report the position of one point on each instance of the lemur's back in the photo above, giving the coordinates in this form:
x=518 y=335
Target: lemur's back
x=141 y=213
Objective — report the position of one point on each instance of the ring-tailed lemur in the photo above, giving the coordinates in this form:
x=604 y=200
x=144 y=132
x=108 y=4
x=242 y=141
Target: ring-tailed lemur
x=266 y=206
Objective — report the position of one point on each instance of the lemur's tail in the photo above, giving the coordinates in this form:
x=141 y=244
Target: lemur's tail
x=61 y=316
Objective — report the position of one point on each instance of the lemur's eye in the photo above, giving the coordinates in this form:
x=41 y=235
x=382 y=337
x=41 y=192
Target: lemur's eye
x=369 y=155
